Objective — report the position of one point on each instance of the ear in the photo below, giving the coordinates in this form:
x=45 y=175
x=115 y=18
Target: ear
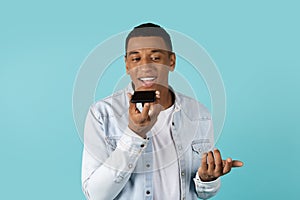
x=172 y=61
x=126 y=65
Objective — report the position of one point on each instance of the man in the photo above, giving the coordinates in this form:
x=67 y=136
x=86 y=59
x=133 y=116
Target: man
x=161 y=150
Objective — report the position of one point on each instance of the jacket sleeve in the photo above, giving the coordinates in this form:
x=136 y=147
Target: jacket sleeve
x=206 y=190
x=105 y=174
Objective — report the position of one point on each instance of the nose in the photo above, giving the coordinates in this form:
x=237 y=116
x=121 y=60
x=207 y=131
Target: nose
x=147 y=67
x=145 y=60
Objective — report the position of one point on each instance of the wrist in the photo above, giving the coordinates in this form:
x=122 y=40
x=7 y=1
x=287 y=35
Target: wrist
x=138 y=130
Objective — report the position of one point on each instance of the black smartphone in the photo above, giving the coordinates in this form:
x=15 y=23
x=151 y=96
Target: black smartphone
x=143 y=96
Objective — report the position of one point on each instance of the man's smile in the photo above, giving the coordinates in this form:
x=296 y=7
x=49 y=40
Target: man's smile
x=147 y=81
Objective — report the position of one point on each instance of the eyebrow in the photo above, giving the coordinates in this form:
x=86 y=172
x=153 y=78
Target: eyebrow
x=158 y=51
x=152 y=51
x=132 y=52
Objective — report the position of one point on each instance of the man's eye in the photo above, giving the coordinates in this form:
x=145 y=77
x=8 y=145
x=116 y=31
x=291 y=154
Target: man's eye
x=135 y=59
x=155 y=58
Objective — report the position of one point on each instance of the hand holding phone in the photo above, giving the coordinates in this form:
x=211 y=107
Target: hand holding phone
x=142 y=118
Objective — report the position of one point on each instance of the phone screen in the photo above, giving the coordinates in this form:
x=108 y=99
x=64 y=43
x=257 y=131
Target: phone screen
x=143 y=96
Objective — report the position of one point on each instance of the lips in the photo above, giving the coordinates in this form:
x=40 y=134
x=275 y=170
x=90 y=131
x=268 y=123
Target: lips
x=147 y=81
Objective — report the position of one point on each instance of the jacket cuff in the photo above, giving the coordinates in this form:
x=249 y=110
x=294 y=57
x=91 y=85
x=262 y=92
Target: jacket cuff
x=210 y=186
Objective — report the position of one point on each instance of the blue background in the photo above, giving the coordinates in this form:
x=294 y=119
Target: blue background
x=255 y=45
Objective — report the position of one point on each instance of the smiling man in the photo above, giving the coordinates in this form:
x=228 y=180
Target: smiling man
x=163 y=150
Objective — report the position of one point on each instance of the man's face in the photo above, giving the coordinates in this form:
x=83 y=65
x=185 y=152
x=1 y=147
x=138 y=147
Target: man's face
x=148 y=62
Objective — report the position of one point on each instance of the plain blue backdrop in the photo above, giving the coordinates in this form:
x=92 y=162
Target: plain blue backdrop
x=255 y=45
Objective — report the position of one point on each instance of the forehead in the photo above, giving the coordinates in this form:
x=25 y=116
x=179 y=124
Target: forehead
x=149 y=42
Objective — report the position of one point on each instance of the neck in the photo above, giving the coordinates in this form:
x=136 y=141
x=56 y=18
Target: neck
x=166 y=98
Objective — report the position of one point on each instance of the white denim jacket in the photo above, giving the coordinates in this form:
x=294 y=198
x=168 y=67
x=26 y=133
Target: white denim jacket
x=116 y=162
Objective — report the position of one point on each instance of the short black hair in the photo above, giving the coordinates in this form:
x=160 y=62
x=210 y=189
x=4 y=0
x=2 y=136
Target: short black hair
x=149 y=29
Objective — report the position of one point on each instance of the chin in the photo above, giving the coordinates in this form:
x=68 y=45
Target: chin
x=142 y=88
x=145 y=88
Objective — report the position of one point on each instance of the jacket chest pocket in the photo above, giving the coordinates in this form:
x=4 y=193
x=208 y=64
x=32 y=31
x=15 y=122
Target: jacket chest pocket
x=112 y=142
x=198 y=148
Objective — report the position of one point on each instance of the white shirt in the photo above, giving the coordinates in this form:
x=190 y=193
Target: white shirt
x=165 y=174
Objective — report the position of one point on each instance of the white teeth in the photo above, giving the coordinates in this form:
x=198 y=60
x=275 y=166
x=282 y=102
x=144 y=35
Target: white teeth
x=147 y=79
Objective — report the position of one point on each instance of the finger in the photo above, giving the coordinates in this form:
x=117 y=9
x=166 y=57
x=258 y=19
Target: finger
x=204 y=162
x=237 y=163
x=218 y=161
x=157 y=95
x=145 y=111
x=228 y=165
x=152 y=109
x=211 y=163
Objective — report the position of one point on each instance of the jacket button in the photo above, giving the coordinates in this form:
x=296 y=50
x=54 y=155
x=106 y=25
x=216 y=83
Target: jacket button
x=148 y=192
